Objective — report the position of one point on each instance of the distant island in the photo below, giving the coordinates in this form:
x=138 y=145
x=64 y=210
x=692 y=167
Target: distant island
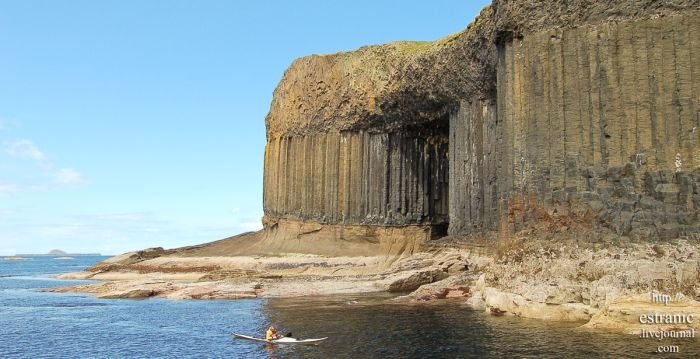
x=59 y=253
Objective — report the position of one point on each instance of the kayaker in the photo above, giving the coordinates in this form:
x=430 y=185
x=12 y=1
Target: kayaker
x=272 y=333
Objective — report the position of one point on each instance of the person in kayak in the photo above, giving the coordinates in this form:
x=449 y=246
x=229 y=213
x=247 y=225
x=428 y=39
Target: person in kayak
x=272 y=333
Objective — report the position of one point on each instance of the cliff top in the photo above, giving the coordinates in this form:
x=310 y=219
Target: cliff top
x=406 y=83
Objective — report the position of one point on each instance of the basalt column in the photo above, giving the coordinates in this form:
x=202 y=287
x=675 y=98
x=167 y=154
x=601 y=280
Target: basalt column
x=474 y=166
x=359 y=178
x=597 y=125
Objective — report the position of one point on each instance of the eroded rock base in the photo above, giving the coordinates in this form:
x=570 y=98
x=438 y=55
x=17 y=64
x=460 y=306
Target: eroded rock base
x=603 y=285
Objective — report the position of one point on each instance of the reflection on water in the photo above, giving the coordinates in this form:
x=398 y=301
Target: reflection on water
x=370 y=328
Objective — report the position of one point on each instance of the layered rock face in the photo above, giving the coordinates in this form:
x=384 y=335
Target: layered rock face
x=578 y=112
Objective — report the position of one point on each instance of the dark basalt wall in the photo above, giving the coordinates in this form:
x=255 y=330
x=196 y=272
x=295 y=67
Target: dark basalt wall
x=571 y=114
x=597 y=120
x=475 y=167
x=359 y=177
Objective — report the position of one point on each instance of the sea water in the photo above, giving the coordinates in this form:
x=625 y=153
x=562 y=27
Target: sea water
x=39 y=324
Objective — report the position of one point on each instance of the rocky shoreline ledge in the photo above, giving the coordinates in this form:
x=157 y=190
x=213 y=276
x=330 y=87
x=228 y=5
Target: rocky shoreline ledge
x=605 y=286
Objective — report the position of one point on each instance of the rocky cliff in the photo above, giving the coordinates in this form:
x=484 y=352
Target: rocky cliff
x=545 y=125
x=596 y=123
x=580 y=114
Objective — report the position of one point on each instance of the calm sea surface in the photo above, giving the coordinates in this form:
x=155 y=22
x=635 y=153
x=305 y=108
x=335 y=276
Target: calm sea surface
x=36 y=324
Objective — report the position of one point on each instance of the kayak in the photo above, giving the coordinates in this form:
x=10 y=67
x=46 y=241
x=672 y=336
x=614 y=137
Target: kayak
x=283 y=340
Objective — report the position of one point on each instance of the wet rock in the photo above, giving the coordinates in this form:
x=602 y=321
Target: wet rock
x=414 y=281
x=516 y=305
x=131 y=294
x=457 y=292
x=497 y=312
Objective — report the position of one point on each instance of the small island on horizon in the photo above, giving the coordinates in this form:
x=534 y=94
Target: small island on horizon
x=59 y=253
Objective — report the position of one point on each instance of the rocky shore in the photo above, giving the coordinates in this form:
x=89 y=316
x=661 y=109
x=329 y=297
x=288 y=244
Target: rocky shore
x=605 y=286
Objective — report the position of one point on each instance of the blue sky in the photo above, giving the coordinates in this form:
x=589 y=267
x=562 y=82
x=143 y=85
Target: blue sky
x=132 y=124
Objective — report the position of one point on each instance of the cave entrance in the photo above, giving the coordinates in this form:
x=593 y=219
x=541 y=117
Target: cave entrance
x=424 y=169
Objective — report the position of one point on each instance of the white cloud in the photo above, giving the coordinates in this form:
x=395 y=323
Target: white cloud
x=25 y=149
x=68 y=176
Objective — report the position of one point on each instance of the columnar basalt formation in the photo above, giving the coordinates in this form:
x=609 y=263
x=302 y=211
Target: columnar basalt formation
x=599 y=121
x=580 y=113
x=475 y=167
x=359 y=177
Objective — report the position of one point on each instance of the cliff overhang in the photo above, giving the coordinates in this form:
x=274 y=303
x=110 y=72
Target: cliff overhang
x=575 y=115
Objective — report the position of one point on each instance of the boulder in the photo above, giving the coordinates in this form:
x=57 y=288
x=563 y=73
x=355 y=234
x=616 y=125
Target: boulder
x=417 y=279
